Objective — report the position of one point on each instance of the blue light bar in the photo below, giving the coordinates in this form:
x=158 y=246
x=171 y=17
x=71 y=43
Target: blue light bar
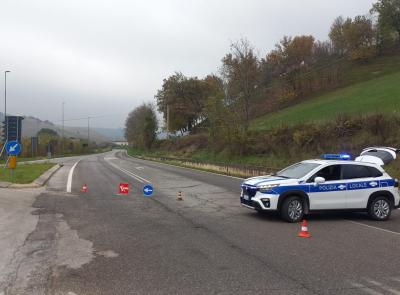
x=336 y=157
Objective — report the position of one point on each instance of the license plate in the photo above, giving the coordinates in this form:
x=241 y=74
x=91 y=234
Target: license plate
x=246 y=197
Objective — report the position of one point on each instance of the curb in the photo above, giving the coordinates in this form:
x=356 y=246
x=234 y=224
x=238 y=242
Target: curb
x=38 y=182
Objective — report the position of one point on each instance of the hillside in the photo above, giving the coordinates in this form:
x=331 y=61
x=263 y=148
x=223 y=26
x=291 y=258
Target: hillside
x=381 y=94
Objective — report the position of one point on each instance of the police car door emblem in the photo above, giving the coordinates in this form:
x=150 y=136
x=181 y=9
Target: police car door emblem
x=342 y=187
x=373 y=183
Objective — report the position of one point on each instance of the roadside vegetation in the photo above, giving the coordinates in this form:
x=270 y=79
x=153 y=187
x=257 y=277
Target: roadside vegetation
x=304 y=98
x=49 y=141
x=23 y=174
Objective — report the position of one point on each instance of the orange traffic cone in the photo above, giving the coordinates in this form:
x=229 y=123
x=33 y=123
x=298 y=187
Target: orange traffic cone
x=84 y=188
x=179 y=198
x=304 y=230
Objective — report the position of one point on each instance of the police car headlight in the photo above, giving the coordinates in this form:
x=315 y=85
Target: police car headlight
x=267 y=187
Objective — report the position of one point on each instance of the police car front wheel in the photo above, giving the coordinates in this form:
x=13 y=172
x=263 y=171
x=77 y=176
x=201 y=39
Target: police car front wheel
x=292 y=209
x=380 y=208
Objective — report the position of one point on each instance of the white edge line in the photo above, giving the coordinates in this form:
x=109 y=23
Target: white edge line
x=374 y=227
x=69 y=181
x=193 y=169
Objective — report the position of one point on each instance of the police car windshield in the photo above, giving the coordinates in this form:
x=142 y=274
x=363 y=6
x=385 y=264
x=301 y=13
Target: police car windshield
x=297 y=170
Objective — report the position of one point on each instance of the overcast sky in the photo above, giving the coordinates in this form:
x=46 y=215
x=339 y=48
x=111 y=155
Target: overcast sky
x=107 y=57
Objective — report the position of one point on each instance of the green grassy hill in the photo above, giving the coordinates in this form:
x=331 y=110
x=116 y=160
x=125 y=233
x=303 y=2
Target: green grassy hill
x=380 y=94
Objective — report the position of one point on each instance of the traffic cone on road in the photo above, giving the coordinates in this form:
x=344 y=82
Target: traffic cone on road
x=84 y=188
x=304 y=230
x=179 y=197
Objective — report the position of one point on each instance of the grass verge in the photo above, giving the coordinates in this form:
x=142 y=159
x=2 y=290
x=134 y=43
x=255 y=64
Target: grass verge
x=24 y=174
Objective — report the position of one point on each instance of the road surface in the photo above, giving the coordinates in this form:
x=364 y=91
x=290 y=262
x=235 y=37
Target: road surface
x=100 y=242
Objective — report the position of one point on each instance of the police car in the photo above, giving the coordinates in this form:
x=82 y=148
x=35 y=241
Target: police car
x=331 y=183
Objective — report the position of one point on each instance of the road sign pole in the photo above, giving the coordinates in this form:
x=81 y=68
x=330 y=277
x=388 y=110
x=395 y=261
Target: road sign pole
x=3 y=148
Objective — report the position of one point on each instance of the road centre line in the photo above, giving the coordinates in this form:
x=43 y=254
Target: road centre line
x=137 y=177
x=69 y=181
x=374 y=227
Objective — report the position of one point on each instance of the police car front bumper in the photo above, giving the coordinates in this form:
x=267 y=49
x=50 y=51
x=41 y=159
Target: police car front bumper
x=264 y=202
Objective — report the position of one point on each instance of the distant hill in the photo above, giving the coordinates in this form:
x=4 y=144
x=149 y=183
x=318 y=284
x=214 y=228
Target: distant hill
x=116 y=134
x=31 y=125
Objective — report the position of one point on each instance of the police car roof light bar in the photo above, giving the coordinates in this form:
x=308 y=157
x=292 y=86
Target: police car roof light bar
x=336 y=157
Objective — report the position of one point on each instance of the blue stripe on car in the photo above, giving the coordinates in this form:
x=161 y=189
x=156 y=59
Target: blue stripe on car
x=332 y=187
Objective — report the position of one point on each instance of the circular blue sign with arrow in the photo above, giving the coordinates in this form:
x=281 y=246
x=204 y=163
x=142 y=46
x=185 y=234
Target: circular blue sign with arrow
x=148 y=190
x=13 y=148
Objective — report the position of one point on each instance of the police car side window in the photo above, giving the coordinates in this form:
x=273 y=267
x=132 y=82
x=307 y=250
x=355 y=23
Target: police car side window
x=375 y=172
x=329 y=173
x=357 y=171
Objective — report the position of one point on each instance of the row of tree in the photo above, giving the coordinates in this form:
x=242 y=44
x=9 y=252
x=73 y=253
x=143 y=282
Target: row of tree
x=49 y=142
x=247 y=85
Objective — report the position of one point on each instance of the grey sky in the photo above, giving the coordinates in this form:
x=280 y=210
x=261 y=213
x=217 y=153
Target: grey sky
x=106 y=57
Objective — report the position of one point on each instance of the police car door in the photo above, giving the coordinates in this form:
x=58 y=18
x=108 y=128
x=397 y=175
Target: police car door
x=332 y=193
x=361 y=181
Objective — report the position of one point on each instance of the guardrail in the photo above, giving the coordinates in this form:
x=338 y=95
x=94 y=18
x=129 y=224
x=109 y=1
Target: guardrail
x=239 y=170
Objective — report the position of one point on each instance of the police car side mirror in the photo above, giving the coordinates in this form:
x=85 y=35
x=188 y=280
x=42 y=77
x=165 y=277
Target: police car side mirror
x=319 y=180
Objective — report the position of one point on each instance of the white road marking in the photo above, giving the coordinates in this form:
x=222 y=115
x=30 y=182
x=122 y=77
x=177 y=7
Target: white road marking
x=366 y=289
x=388 y=289
x=139 y=168
x=110 y=158
x=137 y=177
x=69 y=181
x=374 y=227
x=395 y=279
x=193 y=169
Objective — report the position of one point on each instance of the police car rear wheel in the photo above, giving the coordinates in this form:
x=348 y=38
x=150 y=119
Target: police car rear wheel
x=292 y=209
x=380 y=208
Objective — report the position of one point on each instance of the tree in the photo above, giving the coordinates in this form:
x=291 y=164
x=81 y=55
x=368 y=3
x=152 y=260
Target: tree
x=355 y=38
x=181 y=101
x=141 y=126
x=241 y=74
x=360 y=37
x=337 y=36
x=388 y=25
x=299 y=51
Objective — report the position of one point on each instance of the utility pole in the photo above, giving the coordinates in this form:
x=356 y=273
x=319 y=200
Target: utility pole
x=167 y=120
x=88 y=132
x=5 y=102
x=62 y=134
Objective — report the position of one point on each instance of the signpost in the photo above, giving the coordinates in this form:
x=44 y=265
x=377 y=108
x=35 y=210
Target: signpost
x=34 y=146
x=13 y=148
x=12 y=128
x=148 y=190
x=12 y=162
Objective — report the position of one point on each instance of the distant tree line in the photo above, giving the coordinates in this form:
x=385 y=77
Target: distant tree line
x=49 y=141
x=247 y=86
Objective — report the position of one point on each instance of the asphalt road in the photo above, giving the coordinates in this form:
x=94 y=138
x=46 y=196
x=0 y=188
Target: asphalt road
x=100 y=242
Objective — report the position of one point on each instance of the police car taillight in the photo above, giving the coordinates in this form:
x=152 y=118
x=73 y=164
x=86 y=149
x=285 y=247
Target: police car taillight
x=336 y=156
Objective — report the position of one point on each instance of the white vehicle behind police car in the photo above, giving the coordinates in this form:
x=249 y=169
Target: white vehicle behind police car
x=331 y=183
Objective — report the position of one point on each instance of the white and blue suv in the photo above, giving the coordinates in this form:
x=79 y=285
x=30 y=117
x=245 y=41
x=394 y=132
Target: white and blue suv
x=331 y=183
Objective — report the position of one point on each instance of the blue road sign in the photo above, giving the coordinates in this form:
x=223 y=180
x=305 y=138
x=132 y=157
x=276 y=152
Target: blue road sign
x=148 y=190
x=13 y=148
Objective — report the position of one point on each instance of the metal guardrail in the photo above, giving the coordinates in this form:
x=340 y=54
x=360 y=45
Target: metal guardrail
x=230 y=169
